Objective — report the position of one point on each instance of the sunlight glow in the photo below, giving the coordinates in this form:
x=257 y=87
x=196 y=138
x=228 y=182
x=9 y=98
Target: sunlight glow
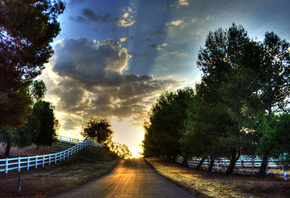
x=126 y=133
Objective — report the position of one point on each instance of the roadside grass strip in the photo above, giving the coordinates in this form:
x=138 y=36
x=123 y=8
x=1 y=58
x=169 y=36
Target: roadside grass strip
x=205 y=184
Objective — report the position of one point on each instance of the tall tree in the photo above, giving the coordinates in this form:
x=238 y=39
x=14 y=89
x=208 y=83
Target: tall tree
x=228 y=61
x=204 y=125
x=248 y=78
x=45 y=132
x=274 y=81
x=98 y=130
x=26 y=29
x=165 y=122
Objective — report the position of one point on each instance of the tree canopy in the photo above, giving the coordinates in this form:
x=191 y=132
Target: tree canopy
x=26 y=30
x=165 y=121
x=97 y=129
x=240 y=106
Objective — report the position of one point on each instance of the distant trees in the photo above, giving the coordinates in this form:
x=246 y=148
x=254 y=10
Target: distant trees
x=239 y=107
x=26 y=29
x=98 y=130
x=121 y=150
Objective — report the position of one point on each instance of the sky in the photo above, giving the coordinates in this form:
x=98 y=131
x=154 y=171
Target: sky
x=113 y=58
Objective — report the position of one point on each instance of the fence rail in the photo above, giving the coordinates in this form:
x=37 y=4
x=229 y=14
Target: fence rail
x=241 y=166
x=69 y=140
x=19 y=163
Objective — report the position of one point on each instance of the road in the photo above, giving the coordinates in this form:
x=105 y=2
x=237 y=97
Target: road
x=130 y=178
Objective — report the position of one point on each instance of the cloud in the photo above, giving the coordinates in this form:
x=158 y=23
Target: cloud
x=86 y=79
x=158 y=47
x=180 y=4
x=88 y=15
x=183 y=3
x=175 y=23
x=123 y=39
x=127 y=18
x=209 y=17
x=78 y=59
x=138 y=55
x=194 y=20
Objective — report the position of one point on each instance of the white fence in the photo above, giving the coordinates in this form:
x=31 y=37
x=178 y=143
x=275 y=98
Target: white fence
x=19 y=163
x=247 y=165
x=69 y=140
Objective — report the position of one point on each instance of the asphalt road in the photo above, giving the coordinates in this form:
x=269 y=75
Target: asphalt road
x=131 y=178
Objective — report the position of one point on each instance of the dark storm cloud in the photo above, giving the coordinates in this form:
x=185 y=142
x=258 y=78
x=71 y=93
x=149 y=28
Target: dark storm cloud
x=153 y=46
x=88 y=15
x=92 y=82
x=80 y=59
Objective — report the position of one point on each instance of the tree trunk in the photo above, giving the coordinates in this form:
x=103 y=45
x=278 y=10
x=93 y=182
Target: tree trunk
x=173 y=158
x=263 y=168
x=200 y=163
x=8 y=146
x=210 y=165
x=234 y=159
x=184 y=163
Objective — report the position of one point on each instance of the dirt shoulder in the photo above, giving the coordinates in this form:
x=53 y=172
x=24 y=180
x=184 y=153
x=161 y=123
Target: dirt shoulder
x=45 y=181
x=204 y=184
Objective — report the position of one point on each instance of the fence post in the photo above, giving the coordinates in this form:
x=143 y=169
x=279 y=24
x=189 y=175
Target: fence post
x=218 y=165
x=6 y=165
x=28 y=163
x=225 y=165
x=242 y=164
x=19 y=186
x=19 y=160
x=36 y=160
x=55 y=158
x=43 y=158
x=253 y=166
x=49 y=159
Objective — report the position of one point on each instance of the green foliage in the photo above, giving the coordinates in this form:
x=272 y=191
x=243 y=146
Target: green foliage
x=165 y=122
x=40 y=129
x=26 y=29
x=245 y=84
x=98 y=130
x=38 y=90
x=46 y=124
x=14 y=107
x=276 y=139
x=121 y=150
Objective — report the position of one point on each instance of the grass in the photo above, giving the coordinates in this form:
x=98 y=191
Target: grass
x=85 y=166
x=205 y=184
x=32 y=151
